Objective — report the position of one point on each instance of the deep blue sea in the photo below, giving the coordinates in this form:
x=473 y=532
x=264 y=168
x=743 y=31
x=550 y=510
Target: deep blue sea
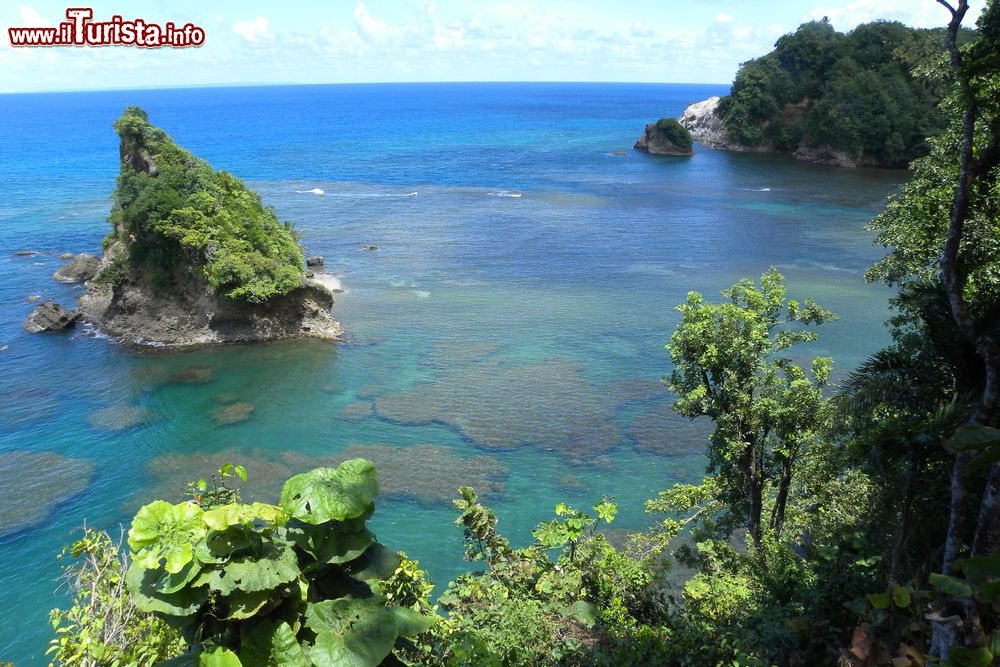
x=508 y=333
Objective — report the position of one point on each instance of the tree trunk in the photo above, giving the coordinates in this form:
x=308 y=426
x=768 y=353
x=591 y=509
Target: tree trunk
x=782 y=500
x=755 y=494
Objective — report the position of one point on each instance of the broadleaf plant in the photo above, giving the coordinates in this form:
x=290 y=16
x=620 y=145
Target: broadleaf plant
x=272 y=585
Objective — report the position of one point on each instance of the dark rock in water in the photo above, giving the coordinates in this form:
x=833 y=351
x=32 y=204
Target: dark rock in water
x=310 y=274
x=662 y=139
x=67 y=255
x=33 y=298
x=369 y=246
x=80 y=269
x=50 y=316
x=27 y=253
x=315 y=260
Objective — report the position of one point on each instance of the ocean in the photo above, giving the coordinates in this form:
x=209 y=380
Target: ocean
x=508 y=333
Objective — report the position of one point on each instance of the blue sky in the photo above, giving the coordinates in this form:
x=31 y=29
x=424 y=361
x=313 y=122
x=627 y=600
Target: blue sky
x=414 y=40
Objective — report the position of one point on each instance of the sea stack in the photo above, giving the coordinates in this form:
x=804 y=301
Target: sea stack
x=665 y=137
x=194 y=257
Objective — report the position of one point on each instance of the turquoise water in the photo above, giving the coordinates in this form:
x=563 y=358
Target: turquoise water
x=507 y=333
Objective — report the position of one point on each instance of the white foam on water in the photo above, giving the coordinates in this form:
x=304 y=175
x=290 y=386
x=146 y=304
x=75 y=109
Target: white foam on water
x=504 y=193
x=328 y=280
x=421 y=294
x=314 y=191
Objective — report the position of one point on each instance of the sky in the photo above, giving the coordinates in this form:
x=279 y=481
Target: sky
x=350 y=41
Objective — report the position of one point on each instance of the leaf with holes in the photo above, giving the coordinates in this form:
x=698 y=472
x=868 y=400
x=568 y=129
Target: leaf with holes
x=331 y=494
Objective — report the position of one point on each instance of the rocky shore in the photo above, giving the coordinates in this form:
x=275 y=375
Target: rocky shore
x=703 y=121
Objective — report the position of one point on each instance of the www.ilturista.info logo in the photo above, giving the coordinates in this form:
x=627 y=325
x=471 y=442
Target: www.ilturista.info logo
x=80 y=30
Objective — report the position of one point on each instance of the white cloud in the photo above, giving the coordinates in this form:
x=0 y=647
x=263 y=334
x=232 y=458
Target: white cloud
x=723 y=17
x=254 y=30
x=641 y=29
x=915 y=13
x=33 y=19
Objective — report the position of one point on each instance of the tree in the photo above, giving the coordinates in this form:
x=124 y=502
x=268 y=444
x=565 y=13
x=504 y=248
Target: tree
x=767 y=409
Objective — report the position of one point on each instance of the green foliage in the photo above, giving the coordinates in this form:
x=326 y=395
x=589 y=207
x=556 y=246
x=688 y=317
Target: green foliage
x=115 y=273
x=527 y=609
x=176 y=214
x=103 y=625
x=259 y=584
x=675 y=132
x=767 y=410
x=871 y=91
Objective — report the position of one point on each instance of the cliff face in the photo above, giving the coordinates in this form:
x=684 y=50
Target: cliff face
x=706 y=126
x=702 y=120
x=195 y=258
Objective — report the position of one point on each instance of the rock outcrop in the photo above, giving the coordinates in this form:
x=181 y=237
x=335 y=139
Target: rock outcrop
x=50 y=316
x=703 y=121
x=79 y=269
x=706 y=126
x=179 y=273
x=658 y=141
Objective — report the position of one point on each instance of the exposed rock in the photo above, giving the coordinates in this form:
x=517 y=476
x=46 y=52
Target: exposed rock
x=833 y=156
x=656 y=141
x=192 y=314
x=28 y=253
x=50 y=316
x=369 y=246
x=702 y=120
x=314 y=261
x=80 y=269
x=67 y=255
x=33 y=298
x=232 y=414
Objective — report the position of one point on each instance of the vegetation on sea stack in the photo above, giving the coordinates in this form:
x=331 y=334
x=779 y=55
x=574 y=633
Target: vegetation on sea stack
x=175 y=214
x=675 y=132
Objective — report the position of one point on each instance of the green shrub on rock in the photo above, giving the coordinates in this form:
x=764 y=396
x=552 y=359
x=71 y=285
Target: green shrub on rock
x=174 y=213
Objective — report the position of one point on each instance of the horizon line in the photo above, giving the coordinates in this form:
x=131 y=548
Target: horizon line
x=278 y=84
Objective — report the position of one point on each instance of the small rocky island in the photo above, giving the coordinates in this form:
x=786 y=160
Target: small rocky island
x=665 y=137
x=194 y=257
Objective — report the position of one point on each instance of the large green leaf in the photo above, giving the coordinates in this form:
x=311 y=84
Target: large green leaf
x=236 y=514
x=377 y=562
x=331 y=494
x=162 y=531
x=219 y=546
x=327 y=545
x=964 y=656
x=351 y=633
x=271 y=644
x=276 y=565
x=142 y=583
x=218 y=657
x=411 y=623
x=169 y=582
x=950 y=585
